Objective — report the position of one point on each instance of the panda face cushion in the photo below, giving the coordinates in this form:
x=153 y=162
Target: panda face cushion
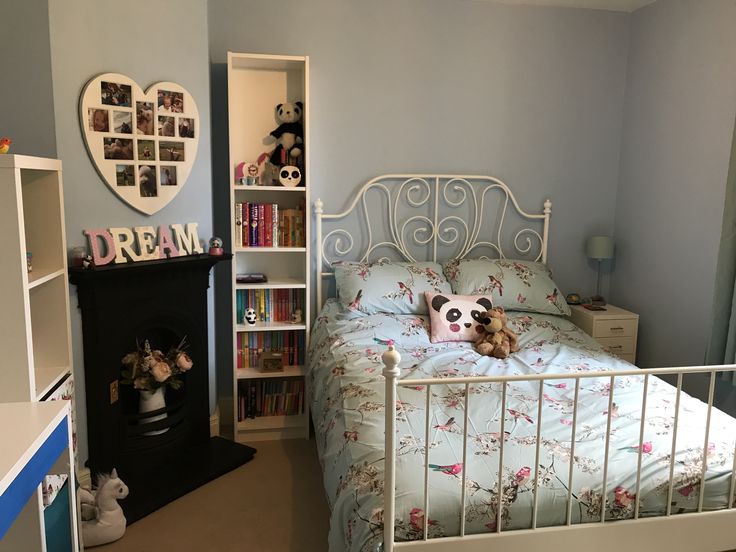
x=456 y=317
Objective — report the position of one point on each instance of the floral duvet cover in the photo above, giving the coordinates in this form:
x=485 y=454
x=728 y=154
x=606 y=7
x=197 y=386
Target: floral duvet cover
x=347 y=407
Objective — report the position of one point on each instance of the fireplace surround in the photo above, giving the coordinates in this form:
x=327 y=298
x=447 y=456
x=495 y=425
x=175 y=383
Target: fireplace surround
x=163 y=302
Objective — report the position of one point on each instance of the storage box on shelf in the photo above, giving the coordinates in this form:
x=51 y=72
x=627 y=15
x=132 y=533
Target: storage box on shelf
x=270 y=235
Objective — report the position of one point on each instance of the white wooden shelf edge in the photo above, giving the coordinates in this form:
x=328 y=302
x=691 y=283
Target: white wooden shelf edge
x=269 y=326
x=254 y=373
x=258 y=249
x=238 y=187
x=13 y=161
x=272 y=422
x=279 y=283
x=47 y=377
x=38 y=277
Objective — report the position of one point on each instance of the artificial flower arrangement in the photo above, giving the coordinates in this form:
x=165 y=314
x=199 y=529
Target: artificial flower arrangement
x=148 y=369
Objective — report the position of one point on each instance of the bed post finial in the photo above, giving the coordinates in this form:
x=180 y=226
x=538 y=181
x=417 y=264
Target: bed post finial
x=547 y=206
x=391 y=372
x=318 y=205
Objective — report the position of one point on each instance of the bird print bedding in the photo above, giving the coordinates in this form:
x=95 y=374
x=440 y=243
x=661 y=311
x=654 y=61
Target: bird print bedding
x=348 y=411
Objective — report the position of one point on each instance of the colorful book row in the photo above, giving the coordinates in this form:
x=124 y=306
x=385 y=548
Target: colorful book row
x=267 y=225
x=271 y=305
x=258 y=398
x=252 y=344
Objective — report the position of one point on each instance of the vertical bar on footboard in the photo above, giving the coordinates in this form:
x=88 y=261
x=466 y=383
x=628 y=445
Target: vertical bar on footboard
x=427 y=425
x=465 y=462
x=711 y=389
x=536 y=453
x=391 y=359
x=572 y=450
x=674 y=444
x=641 y=444
x=502 y=438
x=604 y=492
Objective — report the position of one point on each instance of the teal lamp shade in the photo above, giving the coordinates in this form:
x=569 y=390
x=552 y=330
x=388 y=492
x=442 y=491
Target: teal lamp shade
x=599 y=247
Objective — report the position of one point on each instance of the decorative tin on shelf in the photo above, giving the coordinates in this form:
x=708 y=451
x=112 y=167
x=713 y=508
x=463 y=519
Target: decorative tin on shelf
x=271 y=361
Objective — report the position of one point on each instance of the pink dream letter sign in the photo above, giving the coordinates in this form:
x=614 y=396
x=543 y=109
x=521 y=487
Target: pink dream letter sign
x=142 y=243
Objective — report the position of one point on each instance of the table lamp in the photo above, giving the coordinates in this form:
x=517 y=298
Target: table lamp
x=599 y=248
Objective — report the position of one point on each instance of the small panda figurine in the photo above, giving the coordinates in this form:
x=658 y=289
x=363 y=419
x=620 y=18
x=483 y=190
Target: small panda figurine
x=250 y=316
x=290 y=176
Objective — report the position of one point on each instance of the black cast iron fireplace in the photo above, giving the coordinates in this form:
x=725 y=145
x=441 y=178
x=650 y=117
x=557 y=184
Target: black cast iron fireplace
x=163 y=302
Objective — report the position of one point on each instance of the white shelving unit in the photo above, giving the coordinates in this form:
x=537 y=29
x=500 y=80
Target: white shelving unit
x=36 y=340
x=256 y=84
x=37 y=345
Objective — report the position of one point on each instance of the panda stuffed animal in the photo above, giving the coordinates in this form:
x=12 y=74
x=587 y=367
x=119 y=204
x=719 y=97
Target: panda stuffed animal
x=289 y=134
x=250 y=316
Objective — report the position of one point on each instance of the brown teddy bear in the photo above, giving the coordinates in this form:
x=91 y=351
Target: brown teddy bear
x=497 y=341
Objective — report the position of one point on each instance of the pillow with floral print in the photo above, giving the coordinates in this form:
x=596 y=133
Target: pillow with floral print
x=383 y=286
x=513 y=285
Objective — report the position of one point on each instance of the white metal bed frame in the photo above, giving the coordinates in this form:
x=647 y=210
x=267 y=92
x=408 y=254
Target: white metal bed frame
x=437 y=194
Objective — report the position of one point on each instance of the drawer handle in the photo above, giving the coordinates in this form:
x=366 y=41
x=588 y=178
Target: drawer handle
x=617 y=328
x=615 y=347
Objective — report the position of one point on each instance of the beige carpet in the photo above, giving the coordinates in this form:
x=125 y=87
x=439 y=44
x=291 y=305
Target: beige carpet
x=275 y=503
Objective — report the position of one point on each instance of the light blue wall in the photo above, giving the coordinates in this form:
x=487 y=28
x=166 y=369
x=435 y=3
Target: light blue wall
x=675 y=146
x=531 y=95
x=165 y=40
x=26 y=101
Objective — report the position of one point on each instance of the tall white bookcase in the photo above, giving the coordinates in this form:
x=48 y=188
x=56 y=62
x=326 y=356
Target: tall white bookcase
x=36 y=332
x=256 y=85
x=36 y=336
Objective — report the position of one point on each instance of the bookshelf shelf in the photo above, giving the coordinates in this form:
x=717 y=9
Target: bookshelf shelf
x=269 y=327
x=238 y=187
x=47 y=377
x=260 y=249
x=39 y=276
x=254 y=373
x=278 y=283
x=272 y=422
x=268 y=215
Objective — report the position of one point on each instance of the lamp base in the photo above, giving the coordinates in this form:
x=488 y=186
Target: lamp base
x=598 y=301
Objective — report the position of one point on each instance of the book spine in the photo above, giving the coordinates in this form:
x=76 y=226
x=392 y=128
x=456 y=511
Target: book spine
x=253 y=228
x=275 y=226
x=238 y=229
x=246 y=224
x=261 y=226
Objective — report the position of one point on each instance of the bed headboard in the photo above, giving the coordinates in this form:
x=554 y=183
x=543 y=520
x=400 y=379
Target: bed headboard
x=429 y=217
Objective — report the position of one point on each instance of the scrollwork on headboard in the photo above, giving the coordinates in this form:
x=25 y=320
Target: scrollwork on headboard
x=420 y=216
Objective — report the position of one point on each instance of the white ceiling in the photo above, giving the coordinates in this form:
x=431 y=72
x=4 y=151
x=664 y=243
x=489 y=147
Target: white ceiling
x=612 y=5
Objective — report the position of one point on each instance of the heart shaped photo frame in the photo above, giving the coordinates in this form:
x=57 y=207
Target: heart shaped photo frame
x=142 y=144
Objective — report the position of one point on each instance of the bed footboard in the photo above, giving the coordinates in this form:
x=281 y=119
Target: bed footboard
x=703 y=530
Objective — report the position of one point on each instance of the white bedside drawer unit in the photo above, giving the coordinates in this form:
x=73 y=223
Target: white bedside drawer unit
x=614 y=328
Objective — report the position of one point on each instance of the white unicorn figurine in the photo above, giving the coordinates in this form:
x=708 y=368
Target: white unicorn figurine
x=103 y=520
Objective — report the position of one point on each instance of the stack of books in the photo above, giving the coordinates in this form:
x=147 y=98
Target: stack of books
x=271 y=305
x=267 y=225
x=272 y=397
x=289 y=343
